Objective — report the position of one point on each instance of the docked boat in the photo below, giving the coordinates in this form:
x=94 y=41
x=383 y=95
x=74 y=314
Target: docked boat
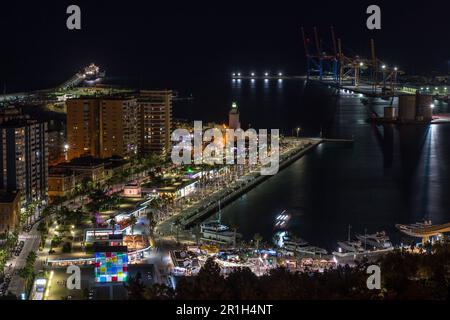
x=377 y=240
x=92 y=73
x=350 y=246
x=214 y=231
x=292 y=245
x=311 y=250
x=410 y=229
x=301 y=246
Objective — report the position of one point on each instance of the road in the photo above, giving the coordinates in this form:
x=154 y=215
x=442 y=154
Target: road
x=32 y=240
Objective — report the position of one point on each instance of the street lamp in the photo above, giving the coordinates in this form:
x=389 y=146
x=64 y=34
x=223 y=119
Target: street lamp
x=66 y=149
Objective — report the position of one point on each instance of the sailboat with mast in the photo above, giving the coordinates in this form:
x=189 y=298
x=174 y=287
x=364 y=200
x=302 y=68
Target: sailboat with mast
x=215 y=231
x=350 y=246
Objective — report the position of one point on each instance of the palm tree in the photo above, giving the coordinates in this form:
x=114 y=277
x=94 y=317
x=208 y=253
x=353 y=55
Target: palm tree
x=234 y=228
x=151 y=222
x=132 y=221
x=112 y=223
x=177 y=224
x=197 y=233
x=257 y=237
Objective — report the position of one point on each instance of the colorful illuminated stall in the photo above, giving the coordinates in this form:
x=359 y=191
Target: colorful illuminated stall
x=111 y=264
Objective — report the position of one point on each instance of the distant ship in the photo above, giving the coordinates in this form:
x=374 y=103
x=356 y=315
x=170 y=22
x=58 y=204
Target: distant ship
x=92 y=73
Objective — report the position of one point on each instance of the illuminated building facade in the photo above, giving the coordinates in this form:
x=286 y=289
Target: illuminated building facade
x=24 y=158
x=83 y=127
x=155 y=121
x=102 y=128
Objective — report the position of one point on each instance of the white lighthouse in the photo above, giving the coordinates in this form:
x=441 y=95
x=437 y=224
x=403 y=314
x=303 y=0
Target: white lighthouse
x=233 y=117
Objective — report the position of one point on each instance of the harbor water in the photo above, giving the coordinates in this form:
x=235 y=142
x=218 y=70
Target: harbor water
x=391 y=174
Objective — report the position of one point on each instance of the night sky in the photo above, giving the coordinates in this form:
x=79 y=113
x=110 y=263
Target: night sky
x=153 y=40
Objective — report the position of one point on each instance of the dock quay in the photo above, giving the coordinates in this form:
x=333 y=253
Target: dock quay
x=252 y=180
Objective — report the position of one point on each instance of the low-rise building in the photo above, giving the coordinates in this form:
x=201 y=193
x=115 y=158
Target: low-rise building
x=9 y=210
x=61 y=182
x=115 y=165
x=89 y=168
x=132 y=191
x=178 y=189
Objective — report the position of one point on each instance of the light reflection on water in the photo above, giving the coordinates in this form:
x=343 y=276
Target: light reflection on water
x=390 y=175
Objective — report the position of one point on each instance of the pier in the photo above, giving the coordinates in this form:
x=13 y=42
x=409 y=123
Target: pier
x=254 y=178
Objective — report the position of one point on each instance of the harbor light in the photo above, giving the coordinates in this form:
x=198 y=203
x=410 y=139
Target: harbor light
x=383 y=66
x=266 y=74
x=239 y=74
x=280 y=74
x=396 y=69
x=253 y=74
x=361 y=64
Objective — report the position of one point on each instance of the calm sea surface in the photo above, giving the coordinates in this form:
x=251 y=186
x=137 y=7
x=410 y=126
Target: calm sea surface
x=390 y=175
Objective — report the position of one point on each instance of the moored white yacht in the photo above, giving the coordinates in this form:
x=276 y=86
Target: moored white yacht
x=410 y=228
x=350 y=246
x=301 y=246
x=378 y=240
x=215 y=231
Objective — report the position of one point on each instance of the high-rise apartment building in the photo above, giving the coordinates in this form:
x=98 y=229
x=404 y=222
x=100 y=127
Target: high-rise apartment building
x=119 y=127
x=83 y=127
x=102 y=127
x=155 y=121
x=24 y=158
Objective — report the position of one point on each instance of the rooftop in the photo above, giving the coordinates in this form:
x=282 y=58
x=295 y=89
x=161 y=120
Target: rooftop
x=83 y=161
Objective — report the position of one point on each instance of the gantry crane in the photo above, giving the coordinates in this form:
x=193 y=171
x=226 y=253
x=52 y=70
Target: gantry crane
x=345 y=68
